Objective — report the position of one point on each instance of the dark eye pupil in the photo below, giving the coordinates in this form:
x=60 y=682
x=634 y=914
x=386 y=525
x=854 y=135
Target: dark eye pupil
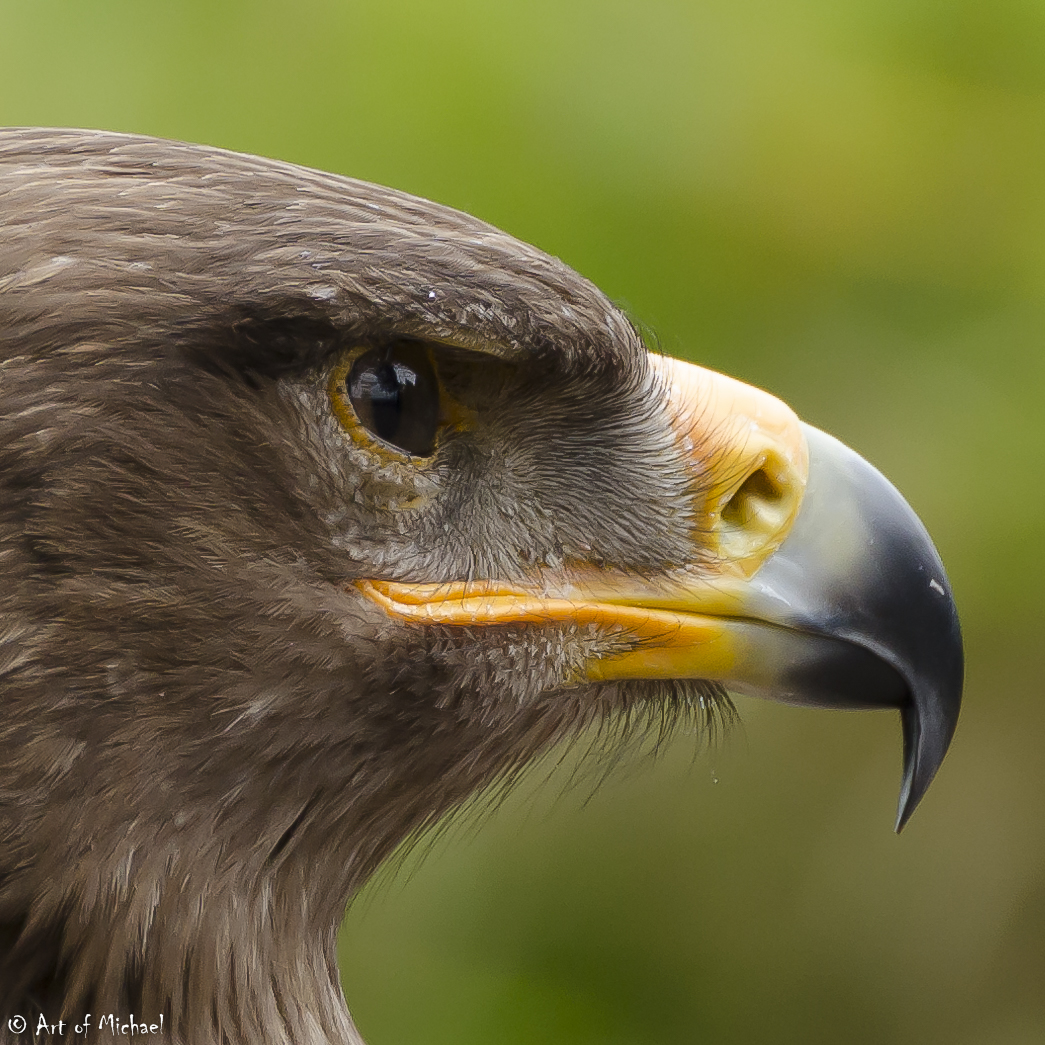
x=395 y=395
x=383 y=387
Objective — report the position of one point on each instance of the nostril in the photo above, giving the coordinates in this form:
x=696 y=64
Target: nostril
x=758 y=498
x=757 y=516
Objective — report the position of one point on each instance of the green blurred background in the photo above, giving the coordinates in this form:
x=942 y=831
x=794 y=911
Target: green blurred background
x=840 y=200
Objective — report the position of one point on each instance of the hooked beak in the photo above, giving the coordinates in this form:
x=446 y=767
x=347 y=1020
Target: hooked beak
x=825 y=588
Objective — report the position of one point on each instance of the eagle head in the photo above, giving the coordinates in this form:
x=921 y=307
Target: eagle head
x=323 y=507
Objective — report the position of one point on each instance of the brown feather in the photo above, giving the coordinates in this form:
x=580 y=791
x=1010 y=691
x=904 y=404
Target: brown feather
x=207 y=742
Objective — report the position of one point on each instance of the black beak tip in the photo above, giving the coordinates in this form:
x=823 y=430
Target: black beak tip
x=928 y=726
x=918 y=772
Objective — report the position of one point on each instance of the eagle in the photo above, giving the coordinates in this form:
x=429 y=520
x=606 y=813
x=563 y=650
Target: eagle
x=324 y=508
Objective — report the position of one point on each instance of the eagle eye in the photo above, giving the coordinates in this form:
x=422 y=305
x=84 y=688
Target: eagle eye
x=395 y=395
